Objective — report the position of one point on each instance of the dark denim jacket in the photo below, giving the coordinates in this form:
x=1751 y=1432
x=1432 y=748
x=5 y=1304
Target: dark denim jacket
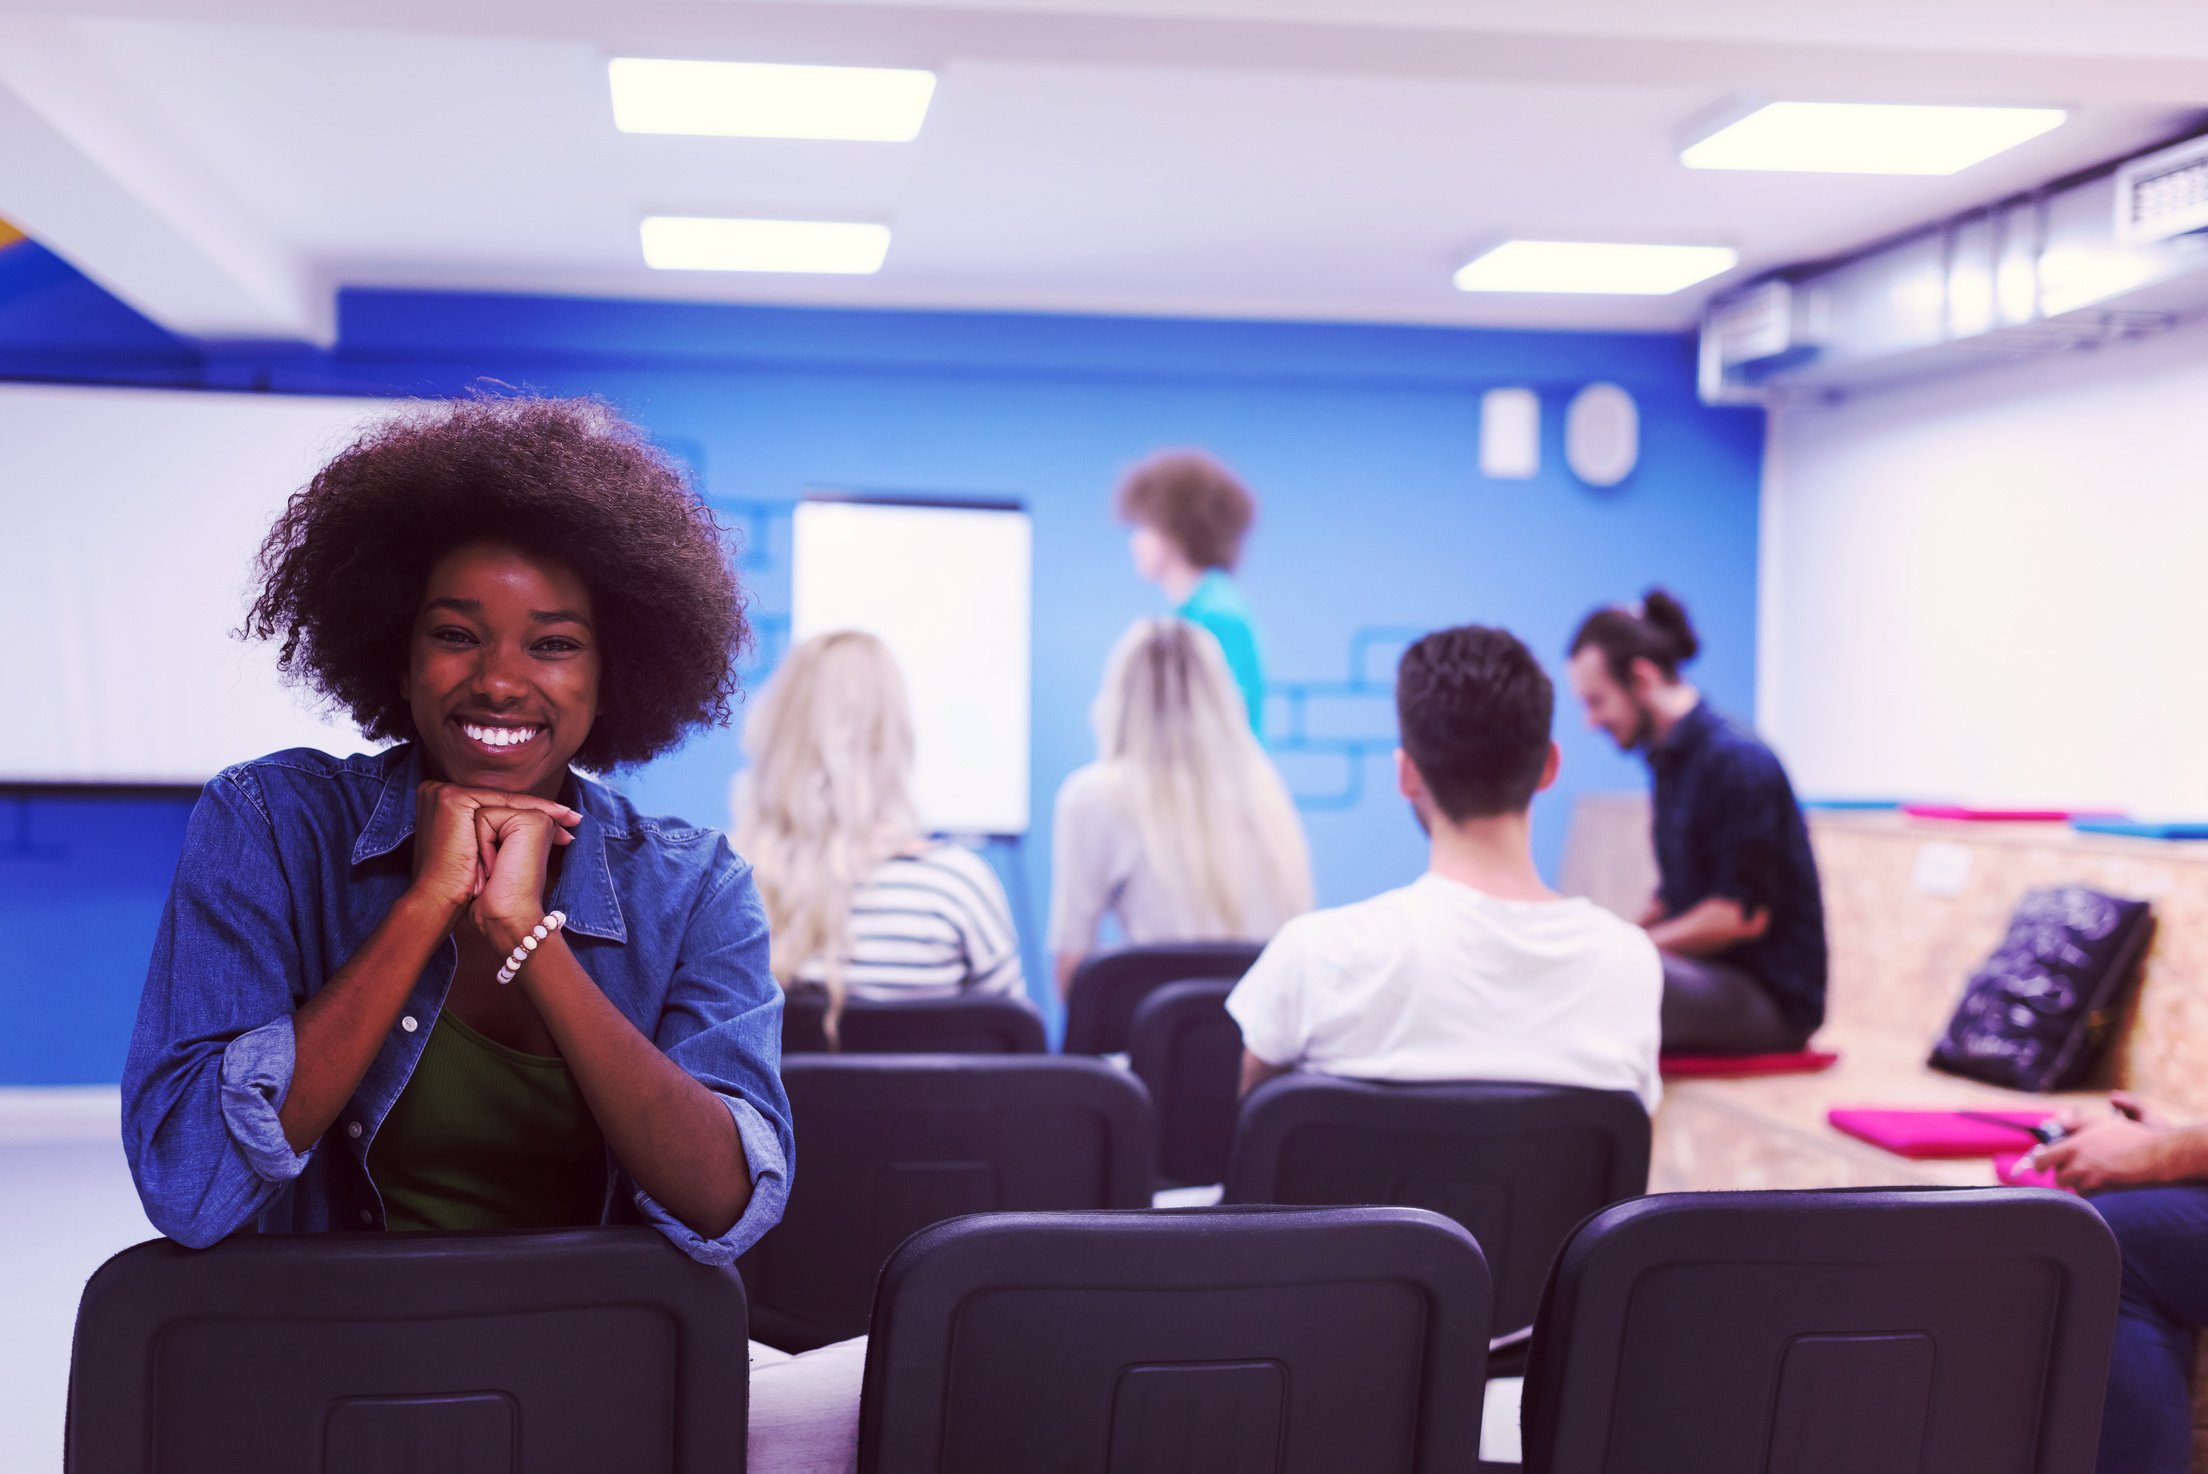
x=289 y=863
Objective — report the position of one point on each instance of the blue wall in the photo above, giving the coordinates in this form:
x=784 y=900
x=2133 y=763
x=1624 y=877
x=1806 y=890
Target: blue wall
x=1362 y=443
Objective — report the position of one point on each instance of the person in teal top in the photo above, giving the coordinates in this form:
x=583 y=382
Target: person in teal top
x=1190 y=514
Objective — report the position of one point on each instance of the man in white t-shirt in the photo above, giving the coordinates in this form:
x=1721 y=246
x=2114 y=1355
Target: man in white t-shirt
x=1476 y=970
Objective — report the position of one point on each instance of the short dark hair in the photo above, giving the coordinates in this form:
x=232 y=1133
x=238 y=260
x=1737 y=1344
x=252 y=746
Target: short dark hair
x=1658 y=632
x=1194 y=500
x=1475 y=709
x=343 y=569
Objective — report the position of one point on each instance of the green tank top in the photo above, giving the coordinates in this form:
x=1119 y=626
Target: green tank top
x=485 y=1136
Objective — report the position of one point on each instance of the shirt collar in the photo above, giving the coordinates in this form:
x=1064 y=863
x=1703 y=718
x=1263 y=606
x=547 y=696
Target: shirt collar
x=584 y=889
x=1686 y=736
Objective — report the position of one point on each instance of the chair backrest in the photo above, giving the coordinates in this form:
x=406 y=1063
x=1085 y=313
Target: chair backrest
x=1876 y=1331
x=1185 y=1047
x=1293 y=1341
x=1518 y=1165
x=970 y=1023
x=888 y=1144
x=576 y=1350
x=1108 y=987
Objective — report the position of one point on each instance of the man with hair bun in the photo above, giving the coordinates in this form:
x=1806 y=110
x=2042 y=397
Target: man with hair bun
x=1737 y=913
x=1189 y=515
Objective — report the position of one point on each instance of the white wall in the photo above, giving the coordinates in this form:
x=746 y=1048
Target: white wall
x=1991 y=588
x=128 y=523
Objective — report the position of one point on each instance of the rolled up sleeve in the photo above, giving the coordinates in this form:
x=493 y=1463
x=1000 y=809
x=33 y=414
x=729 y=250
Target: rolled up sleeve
x=723 y=1026
x=212 y=1051
x=256 y=1074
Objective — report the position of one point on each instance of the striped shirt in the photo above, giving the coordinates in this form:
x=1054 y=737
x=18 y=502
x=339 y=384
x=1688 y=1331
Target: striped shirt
x=935 y=920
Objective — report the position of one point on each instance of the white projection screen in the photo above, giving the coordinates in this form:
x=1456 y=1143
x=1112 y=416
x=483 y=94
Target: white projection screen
x=131 y=519
x=946 y=585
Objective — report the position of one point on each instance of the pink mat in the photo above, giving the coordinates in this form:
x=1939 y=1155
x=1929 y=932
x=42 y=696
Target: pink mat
x=1741 y=1066
x=1923 y=1135
x=2001 y=816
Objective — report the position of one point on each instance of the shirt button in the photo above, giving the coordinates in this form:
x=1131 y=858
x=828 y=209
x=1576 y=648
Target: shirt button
x=367 y=1217
x=408 y=1023
x=352 y=1129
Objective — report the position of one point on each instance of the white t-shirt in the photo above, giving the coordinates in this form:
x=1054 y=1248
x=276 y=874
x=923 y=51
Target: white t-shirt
x=1098 y=865
x=1438 y=981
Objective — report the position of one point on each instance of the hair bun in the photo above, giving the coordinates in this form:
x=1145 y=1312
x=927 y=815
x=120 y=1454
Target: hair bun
x=1667 y=616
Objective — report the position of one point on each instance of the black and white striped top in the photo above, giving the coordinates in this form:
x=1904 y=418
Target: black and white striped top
x=935 y=920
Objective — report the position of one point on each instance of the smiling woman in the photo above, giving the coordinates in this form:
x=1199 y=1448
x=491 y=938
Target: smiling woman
x=346 y=566
x=458 y=984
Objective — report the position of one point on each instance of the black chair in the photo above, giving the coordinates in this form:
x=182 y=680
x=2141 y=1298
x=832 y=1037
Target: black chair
x=1188 y=1051
x=1108 y=987
x=571 y=1351
x=1288 y=1340
x=888 y=1144
x=1879 y=1331
x=976 y=1023
x=1518 y=1165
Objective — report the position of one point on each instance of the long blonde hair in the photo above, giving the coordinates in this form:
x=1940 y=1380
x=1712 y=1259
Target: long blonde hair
x=827 y=798
x=1210 y=808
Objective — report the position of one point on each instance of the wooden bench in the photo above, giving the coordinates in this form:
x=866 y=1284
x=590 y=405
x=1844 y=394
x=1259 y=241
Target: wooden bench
x=1911 y=908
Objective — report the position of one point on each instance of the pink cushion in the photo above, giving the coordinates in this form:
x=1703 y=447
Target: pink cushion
x=1740 y=1066
x=2009 y=1167
x=2001 y=816
x=1927 y=1134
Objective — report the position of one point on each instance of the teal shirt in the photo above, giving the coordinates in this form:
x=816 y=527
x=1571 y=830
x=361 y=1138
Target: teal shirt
x=1216 y=604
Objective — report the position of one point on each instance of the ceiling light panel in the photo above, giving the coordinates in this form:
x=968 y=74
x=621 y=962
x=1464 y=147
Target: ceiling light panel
x=1593 y=267
x=1868 y=138
x=700 y=243
x=736 y=99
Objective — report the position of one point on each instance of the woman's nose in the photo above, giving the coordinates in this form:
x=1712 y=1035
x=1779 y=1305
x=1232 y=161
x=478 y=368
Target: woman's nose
x=498 y=672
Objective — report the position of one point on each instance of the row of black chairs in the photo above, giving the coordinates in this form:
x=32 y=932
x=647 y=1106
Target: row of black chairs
x=1163 y=1007
x=891 y=1144
x=1106 y=993
x=1870 y=1332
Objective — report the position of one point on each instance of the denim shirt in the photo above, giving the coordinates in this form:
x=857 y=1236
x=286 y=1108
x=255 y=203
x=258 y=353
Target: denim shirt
x=289 y=863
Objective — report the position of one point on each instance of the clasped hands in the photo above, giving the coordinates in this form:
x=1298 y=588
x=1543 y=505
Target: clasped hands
x=486 y=851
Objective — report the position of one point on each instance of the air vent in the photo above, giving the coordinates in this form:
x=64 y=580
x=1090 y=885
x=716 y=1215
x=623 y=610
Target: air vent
x=1759 y=323
x=2163 y=195
x=2119 y=252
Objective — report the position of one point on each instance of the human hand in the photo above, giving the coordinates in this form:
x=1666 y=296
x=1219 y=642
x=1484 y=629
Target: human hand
x=2127 y=1106
x=516 y=847
x=451 y=860
x=2112 y=1152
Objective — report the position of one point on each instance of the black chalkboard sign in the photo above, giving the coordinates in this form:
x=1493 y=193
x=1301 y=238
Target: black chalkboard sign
x=2038 y=1012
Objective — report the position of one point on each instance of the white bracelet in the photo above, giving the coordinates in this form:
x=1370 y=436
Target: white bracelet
x=551 y=923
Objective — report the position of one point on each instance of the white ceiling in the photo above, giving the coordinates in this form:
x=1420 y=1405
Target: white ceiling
x=225 y=164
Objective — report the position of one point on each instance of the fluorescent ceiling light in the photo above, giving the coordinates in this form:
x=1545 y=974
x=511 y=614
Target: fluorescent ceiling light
x=1868 y=138
x=752 y=100
x=694 y=243
x=1592 y=266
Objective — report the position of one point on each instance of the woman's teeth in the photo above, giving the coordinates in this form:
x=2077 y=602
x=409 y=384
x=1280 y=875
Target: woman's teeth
x=499 y=736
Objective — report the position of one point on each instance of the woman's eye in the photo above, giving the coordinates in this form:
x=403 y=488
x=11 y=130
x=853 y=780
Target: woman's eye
x=557 y=646
x=450 y=636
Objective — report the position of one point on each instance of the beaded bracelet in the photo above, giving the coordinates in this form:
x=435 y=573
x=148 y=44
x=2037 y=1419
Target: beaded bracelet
x=551 y=923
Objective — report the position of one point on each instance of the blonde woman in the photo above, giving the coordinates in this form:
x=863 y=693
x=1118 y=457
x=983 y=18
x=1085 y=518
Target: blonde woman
x=858 y=899
x=1182 y=829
